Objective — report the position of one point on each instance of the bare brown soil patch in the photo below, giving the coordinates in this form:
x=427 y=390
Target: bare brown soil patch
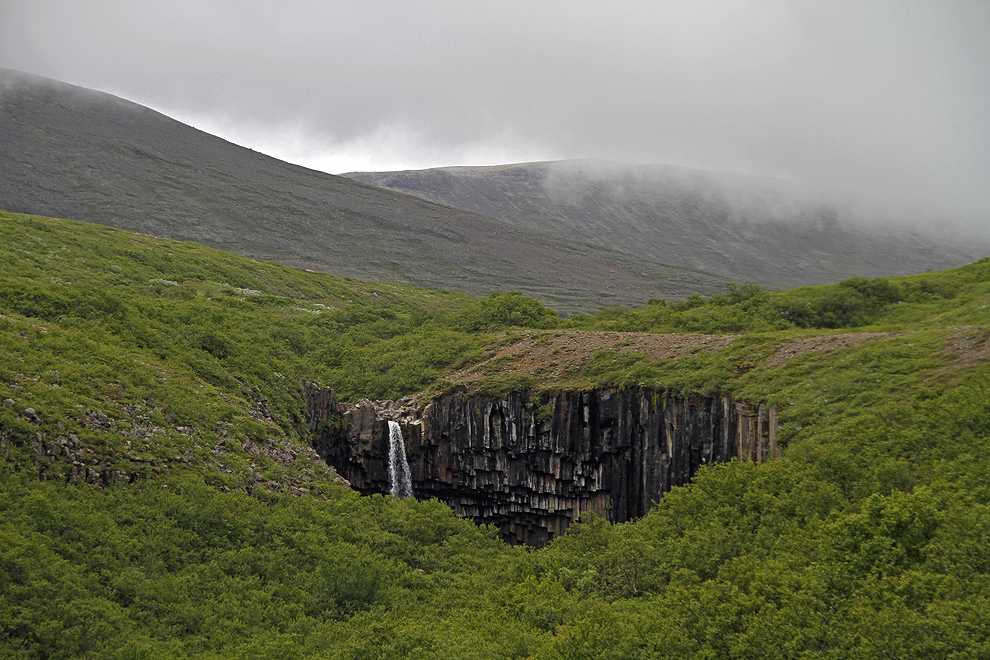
x=798 y=347
x=549 y=353
x=971 y=345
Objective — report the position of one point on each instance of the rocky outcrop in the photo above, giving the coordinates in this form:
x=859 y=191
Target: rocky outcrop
x=531 y=464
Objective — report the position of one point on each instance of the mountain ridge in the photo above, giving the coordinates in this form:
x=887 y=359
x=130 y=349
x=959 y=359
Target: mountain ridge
x=81 y=154
x=759 y=229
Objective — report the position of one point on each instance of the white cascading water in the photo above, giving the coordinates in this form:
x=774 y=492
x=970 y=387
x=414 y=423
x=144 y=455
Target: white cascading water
x=398 y=467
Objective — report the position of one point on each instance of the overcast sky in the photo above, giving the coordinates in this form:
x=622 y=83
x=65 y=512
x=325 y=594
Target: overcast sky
x=891 y=97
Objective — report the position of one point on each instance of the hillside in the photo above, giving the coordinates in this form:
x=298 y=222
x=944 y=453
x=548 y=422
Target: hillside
x=158 y=497
x=76 y=153
x=750 y=228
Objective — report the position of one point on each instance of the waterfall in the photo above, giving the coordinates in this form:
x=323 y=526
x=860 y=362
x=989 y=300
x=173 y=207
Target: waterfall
x=398 y=467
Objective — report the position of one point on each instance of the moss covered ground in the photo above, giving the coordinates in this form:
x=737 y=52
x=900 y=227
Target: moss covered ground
x=170 y=372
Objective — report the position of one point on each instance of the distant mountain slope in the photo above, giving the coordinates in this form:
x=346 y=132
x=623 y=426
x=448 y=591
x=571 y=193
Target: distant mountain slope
x=754 y=228
x=70 y=152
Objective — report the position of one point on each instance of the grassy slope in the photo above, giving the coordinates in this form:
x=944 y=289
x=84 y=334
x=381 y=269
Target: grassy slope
x=177 y=364
x=154 y=335
x=75 y=153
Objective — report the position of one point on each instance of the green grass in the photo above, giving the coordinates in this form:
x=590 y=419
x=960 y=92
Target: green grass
x=177 y=367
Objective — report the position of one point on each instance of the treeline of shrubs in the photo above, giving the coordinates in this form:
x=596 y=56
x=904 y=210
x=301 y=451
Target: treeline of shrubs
x=851 y=303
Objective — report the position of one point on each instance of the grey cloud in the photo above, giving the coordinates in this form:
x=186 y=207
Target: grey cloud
x=885 y=100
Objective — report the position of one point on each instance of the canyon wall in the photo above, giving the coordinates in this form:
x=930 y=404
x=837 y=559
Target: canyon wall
x=531 y=464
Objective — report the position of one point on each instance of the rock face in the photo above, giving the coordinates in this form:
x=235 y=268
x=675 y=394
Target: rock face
x=531 y=465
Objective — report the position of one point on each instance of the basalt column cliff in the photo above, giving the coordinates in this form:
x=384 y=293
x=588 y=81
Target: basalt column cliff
x=531 y=465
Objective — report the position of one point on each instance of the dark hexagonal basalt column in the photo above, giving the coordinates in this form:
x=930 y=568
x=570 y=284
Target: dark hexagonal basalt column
x=532 y=464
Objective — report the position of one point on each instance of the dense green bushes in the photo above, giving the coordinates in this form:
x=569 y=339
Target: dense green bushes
x=774 y=561
x=866 y=539
x=501 y=311
x=783 y=560
x=851 y=303
x=179 y=569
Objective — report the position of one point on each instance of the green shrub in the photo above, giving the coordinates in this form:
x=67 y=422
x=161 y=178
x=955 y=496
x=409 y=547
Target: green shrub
x=505 y=310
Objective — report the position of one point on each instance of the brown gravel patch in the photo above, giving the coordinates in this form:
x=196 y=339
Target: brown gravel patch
x=971 y=346
x=798 y=347
x=549 y=353
x=542 y=353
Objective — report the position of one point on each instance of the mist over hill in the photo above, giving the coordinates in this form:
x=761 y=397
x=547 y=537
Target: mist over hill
x=759 y=229
x=76 y=153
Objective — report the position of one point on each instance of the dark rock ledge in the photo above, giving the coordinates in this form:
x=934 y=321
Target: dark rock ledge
x=531 y=464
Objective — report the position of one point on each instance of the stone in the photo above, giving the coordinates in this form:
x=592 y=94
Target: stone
x=30 y=415
x=530 y=464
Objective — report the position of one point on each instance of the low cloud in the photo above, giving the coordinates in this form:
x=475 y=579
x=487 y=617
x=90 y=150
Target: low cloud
x=886 y=103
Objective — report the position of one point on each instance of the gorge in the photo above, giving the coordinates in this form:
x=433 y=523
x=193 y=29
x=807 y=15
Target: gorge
x=531 y=463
